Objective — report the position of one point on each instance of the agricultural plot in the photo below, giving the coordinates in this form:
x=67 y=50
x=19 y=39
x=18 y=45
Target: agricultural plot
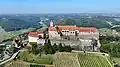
x=91 y=60
x=66 y=60
x=81 y=60
x=70 y=60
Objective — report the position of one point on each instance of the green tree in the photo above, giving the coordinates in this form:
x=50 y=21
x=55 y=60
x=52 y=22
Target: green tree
x=67 y=48
x=51 y=50
x=70 y=22
x=111 y=48
x=47 y=48
x=34 y=47
x=61 y=48
x=55 y=47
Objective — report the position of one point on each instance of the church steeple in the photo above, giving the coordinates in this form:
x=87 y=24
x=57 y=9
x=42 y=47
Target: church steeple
x=51 y=23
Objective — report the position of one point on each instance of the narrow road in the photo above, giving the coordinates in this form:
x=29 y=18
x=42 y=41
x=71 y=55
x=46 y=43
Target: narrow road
x=13 y=56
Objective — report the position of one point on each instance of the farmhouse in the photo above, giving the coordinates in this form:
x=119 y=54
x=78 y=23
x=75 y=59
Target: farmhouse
x=37 y=37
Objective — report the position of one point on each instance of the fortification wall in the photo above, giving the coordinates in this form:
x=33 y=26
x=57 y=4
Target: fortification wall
x=77 y=44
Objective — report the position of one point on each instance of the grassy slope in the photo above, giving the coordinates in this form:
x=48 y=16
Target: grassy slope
x=29 y=57
x=8 y=35
x=105 y=31
x=67 y=59
x=3 y=35
x=16 y=33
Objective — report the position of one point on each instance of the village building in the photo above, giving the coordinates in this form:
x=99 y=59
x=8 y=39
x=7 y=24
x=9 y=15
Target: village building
x=37 y=37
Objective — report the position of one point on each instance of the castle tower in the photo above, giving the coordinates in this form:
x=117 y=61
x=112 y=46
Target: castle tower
x=51 y=23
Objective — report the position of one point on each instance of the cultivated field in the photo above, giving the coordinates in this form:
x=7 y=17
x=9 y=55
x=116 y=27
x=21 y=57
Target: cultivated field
x=81 y=60
x=92 y=60
x=70 y=60
x=66 y=60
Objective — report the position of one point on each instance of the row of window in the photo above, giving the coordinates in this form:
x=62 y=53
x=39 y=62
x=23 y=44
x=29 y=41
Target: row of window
x=68 y=31
x=74 y=32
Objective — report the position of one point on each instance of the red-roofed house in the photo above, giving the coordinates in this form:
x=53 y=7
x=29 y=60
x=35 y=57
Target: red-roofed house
x=36 y=37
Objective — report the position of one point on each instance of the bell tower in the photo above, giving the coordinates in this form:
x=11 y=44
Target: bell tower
x=51 y=23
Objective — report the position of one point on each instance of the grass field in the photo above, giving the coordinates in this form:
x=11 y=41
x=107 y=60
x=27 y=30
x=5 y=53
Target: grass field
x=16 y=33
x=31 y=58
x=25 y=64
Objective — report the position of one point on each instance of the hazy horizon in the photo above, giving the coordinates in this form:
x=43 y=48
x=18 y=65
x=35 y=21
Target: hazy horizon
x=59 y=6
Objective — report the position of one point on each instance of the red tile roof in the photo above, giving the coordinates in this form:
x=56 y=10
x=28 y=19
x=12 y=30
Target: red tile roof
x=71 y=28
x=87 y=29
x=34 y=34
x=67 y=27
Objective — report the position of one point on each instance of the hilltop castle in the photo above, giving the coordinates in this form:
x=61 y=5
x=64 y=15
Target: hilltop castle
x=78 y=37
x=72 y=32
x=82 y=37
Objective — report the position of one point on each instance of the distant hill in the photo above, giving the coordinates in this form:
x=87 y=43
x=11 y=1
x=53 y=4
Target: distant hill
x=85 y=22
x=88 y=21
x=13 y=23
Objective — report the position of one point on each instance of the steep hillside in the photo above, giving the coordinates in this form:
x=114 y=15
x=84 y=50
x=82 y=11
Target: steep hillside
x=3 y=34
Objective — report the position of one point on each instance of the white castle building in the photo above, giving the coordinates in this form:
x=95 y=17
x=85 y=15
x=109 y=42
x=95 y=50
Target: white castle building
x=84 y=37
x=73 y=35
x=55 y=32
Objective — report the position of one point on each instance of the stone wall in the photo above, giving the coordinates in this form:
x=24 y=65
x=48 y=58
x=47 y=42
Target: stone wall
x=76 y=44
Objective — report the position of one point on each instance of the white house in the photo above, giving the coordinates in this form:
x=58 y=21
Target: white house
x=36 y=37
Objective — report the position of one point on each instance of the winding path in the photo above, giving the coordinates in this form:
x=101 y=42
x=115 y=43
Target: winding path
x=12 y=57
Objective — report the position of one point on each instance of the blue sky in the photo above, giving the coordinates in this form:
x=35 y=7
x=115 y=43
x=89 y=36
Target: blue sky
x=59 y=6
